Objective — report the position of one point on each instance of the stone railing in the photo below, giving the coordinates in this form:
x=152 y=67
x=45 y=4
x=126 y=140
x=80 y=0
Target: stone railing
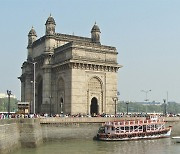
x=83 y=120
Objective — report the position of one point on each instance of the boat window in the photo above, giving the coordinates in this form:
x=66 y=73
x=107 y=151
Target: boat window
x=156 y=126
x=117 y=128
x=101 y=130
x=135 y=127
x=148 y=127
x=113 y=128
x=126 y=128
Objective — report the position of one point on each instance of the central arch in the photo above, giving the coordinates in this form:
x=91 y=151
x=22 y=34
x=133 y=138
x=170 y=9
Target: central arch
x=94 y=106
x=95 y=96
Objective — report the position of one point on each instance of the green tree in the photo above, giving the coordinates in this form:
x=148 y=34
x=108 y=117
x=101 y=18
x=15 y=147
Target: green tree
x=171 y=107
x=4 y=104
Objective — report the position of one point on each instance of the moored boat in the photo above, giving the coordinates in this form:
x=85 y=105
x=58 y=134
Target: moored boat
x=176 y=139
x=123 y=130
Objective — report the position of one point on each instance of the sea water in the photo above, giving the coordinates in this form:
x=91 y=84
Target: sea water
x=74 y=146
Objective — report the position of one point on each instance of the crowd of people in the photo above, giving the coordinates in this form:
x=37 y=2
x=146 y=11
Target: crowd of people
x=46 y=115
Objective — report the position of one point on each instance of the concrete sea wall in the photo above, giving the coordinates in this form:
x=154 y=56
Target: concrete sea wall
x=16 y=133
x=53 y=132
x=175 y=127
x=30 y=132
x=9 y=138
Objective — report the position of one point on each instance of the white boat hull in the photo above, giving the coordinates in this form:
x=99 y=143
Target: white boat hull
x=136 y=137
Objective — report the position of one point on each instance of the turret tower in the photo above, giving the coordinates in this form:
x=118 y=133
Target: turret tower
x=50 y=32
x=50 y=26
x=32 y=36
x=95 y=34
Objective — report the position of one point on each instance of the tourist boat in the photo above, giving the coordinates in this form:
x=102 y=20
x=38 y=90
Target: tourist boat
x=176 y=139
x=150 y=128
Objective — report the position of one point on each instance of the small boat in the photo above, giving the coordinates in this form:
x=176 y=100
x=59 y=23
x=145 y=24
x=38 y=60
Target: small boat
x=176 y=139
x=150 y=128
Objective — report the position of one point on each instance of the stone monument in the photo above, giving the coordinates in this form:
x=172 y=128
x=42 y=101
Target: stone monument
x=69 y=74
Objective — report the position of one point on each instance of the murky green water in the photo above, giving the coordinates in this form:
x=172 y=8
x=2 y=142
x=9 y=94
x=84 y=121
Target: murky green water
x=158 y=146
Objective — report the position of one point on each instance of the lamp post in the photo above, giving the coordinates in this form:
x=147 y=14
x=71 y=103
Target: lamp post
x=127 y=103
x=34 y=86
x=115 y=99
x=164 y=107
x=146 y=98
x=9 y=94
x=146 y=91
x=50 y=97
x=34 y=64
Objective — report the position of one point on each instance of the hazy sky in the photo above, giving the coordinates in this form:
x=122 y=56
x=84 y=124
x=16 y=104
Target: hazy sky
x=146 y=34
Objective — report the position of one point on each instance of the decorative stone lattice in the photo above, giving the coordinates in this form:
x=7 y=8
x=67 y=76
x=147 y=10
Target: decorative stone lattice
x=61 y=84
x=94 y=84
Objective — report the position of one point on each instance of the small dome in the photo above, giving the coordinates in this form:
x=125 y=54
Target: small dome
x=32 y=32
x=95 y=28
x=50 y=20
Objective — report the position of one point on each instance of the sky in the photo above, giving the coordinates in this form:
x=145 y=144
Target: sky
x=146 y=34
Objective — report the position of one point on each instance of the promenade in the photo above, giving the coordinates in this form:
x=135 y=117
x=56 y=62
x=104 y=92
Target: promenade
x=51 y=120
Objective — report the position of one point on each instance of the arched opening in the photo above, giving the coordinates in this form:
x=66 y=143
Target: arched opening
x=96 y=96
x=94 y=106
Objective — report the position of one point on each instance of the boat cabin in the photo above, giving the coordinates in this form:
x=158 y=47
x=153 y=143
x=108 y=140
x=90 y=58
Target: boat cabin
x=135 y=126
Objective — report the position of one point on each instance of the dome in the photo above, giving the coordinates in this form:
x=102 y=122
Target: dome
x=95 y=28
x=50 y=20
x=32 y=32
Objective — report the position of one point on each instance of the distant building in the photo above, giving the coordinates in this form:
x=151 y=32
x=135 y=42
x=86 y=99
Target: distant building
x=171 y=102
x=149 y=103
x=73 y=74
x=4 y=95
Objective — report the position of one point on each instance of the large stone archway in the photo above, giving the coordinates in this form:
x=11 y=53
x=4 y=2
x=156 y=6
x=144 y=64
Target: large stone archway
x=73 y=70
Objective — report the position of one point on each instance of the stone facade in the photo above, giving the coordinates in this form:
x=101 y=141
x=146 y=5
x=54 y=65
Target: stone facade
x=72 y=74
